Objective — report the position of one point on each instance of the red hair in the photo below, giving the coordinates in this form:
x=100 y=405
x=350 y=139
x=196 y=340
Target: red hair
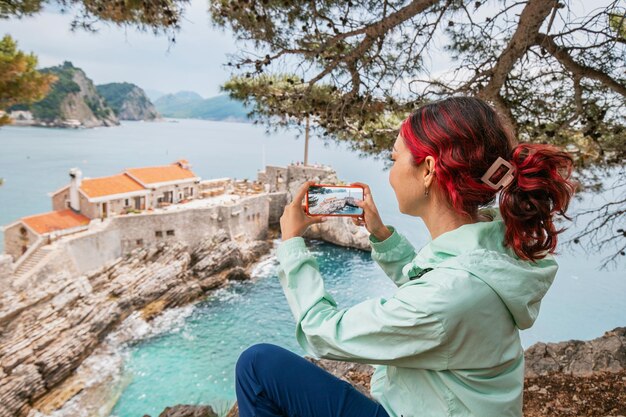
x=465 y=135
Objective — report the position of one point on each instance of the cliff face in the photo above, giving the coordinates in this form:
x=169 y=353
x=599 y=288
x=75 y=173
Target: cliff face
x=73 y=101
x=87 y=106
x=47 y=331
x=577 y=357
x=128 y=101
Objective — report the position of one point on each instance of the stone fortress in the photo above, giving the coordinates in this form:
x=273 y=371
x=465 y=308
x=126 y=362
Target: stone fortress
x=245 y=209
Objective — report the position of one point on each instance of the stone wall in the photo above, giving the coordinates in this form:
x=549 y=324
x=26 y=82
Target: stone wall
x=15 y=240
x=60 y=264
x=277 y=202
x=90 y=250
x=246 y=219
x=297 y=174
x=275 y=177
x=60 y=201
x=91 y=210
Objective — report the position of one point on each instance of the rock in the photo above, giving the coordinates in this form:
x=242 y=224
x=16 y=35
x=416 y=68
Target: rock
x=48 y=331
x=189 y=411
x=564 y=395
x=6 y=271
x=234 y=411
x=357 y=374
x=237 y=274
x=253 y=250
x=579 y=358
x=340 y=231
x=59 y=395
x=128 y=101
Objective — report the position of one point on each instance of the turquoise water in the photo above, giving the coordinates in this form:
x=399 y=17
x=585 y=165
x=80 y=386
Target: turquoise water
x=194 y=363
x=350 y=210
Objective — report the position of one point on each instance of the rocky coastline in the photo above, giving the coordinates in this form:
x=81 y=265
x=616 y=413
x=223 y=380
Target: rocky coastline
x=48 y=331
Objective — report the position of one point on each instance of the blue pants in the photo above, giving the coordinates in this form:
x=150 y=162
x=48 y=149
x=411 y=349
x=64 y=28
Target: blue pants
x=273 y=381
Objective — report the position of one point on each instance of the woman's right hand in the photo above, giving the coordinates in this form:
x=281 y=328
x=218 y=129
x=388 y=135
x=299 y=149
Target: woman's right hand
x=370 y=218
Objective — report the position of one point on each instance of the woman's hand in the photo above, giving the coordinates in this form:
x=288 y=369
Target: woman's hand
x=294 y=220
x=370 y=218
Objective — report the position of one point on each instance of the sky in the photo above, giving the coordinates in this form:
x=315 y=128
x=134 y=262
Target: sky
x=196 y=62
x=116 y=54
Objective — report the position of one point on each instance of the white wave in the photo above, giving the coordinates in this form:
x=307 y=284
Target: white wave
x=265 y=268
x=226 y=294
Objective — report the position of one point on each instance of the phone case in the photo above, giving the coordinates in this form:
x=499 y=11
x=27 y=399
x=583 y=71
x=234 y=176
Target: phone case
x=331 y=186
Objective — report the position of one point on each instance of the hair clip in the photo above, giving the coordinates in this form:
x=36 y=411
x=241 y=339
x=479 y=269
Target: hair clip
x=506 y=178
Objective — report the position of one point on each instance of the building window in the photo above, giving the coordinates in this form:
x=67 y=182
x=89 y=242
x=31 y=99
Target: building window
x=191 y=191
x=140 y=241
x=158 y=233
x=23 y=231
x=67 y=203
x=170 y=233
x=127 y=202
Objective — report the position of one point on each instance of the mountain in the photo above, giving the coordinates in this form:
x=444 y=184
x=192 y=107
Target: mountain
x=178 y=104
x=128 y=101
x=190 y=105
x=73 y=101
x=153 y=95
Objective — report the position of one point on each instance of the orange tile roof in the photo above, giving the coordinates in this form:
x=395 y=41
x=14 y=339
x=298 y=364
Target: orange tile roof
x=164 y=173
x=55 y=220
x=114 y=184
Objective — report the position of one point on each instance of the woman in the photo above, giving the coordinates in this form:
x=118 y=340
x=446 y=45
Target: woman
x=447 y=343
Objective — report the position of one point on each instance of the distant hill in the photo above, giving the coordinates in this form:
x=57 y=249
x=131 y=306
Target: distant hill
x=190 y=105
x=73 y=101
x=153 y=95
x=128 y=101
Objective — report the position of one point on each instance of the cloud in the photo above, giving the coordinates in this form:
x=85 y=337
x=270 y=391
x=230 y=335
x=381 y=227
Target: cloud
x=116 y=54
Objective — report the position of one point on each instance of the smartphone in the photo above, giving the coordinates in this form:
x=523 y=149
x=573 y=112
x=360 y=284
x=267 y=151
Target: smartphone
x=333 y=200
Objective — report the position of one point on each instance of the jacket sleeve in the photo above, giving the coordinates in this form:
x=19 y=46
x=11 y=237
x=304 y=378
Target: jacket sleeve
x=396 y=331
x=392 y=254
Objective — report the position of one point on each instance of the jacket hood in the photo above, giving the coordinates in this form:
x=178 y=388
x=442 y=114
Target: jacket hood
x=479 y=249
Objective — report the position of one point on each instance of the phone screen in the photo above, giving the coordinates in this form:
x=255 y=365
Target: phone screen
x=333 y=200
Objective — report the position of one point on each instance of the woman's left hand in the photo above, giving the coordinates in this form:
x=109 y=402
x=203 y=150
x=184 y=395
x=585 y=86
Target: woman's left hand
x=294 y=220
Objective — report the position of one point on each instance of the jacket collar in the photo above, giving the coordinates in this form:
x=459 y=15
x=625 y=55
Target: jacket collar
x=463 y=239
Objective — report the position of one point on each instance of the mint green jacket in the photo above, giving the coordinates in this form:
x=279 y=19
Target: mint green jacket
x=447 y=342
